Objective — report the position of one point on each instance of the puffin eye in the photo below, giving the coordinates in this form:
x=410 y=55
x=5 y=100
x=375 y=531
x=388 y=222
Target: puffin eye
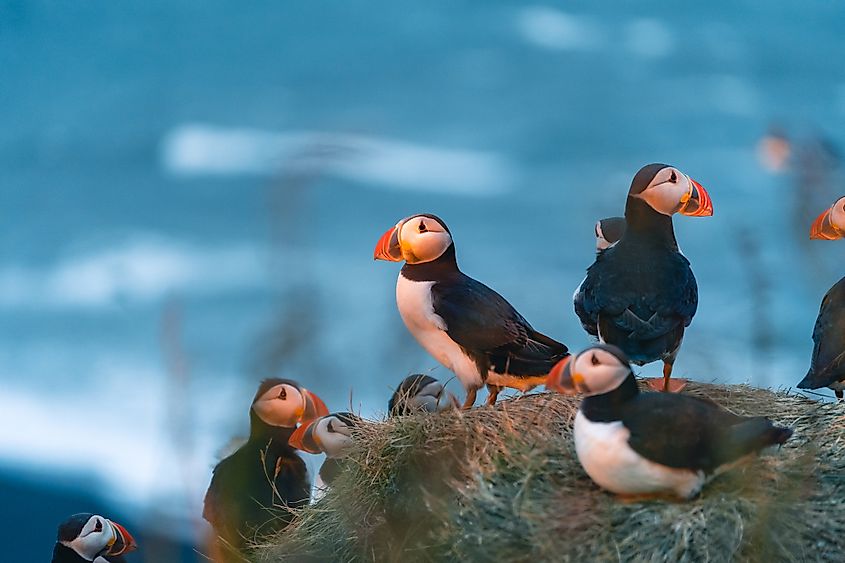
x=283 y=394
x=330 y=428
x=594 y=360
x=422 y=226
x=674 y=177
x=98 y=526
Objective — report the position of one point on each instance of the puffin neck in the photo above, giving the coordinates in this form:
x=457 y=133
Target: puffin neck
x=607 y=406
x=260 y=431
x=437 y=269
x=644 y=224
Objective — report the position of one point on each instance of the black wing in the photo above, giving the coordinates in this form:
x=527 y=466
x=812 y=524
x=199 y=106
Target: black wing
x=487 y=327
x=687 y=432
x=828 y=362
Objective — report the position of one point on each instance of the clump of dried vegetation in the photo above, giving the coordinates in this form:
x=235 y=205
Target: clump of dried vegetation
x=503 y=484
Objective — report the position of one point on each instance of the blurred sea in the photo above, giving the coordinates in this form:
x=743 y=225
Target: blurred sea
x=191 y=193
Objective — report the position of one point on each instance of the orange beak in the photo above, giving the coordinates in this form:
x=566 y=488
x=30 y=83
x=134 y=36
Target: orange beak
x=388 y=246
x=124 y=542
x=559 y=379
x=303 y=438
x=697 y=201
x=314 y=406
x=824 y=229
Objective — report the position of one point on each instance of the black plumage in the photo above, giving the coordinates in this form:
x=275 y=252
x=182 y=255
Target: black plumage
x=611 y=229
x=827 y=366
x=640 y=294
x=250 y=489
x=68 y=531
x=410 y=386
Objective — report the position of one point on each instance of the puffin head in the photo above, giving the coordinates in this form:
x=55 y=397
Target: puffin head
x=92 y=536
x=667 y=190
x=830 y=225
x=599 y=369
x=330 y=434
x=283 y=403
x=609 y=231
x=416 y=239
x=420 y=392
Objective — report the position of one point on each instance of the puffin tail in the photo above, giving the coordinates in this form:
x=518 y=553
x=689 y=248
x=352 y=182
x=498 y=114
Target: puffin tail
x=752 y=435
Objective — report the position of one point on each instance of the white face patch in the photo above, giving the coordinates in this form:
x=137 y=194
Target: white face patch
x=422 y=239
x=282 y=405
x=837 y=214
x=596 y=371
x=96 y=536
x=666 y=191
x=334 y=436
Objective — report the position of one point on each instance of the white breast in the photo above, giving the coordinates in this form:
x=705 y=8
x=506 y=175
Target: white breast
x=608 y=459
x=417 y=310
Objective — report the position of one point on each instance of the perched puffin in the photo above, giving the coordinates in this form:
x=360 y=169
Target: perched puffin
x=330 y=435
x=608 y=232
x=465 y=325
x=827 y=367
x=640 y=444
x=250 y=489
x=420 y=392
x=640 y=294
x=90 y=537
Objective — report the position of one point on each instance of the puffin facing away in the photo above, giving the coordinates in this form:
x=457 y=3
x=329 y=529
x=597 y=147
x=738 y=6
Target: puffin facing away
x=420 y=392
x=640 y=293
x=465 y=325
x=330 y=435
x=651 y=444
x=827 y=366
x=608 y=232
x=87 y=537
x=250 y=489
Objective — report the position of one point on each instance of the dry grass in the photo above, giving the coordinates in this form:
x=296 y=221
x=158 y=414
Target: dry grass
x=503 y=484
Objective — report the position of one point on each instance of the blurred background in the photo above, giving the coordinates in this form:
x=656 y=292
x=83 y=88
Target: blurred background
x=191 y=194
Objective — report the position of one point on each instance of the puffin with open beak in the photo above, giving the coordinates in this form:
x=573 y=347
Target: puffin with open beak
x=420 y=393
x=87 y=537
x=330 y=435
x=465 y=325
x=640 y=294
x=251 y=489
x=827 y=366
x=652 y=444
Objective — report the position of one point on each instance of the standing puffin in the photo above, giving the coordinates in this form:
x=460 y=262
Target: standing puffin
x=641 y=444
x=465 y=325
x=420 y=392
x=250 y=489
x=89 y=537
x=827 y=367
x=640 y=294
x=330 y=435
x=608 y=232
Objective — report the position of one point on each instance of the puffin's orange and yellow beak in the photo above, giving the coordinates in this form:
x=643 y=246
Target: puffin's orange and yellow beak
x=824 y=229
x=696 y=202
x=303 y=438
x=388 y=246
x=559 y=378
x=314 y=406
x=123 y=542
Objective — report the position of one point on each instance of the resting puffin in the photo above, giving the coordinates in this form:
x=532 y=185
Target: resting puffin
x=640 y=294
x=465 y=325
x=420 y=392
x=330 y=435
x=608 y=232
x=265 y=473
x=90 y=537
x=827 y=367
x=640 y=444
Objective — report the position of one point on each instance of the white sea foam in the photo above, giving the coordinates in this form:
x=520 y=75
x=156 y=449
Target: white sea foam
x=198 y=149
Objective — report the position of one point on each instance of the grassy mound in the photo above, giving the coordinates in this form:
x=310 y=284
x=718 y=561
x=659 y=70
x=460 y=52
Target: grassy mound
x=504 y=484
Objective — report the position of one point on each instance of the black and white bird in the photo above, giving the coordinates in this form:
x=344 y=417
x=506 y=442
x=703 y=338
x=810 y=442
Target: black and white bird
x=420 y=392
x=827 y=366
x=87 y=537
x=330 y=435
x=640 y=293
x=643 y=444
x=465 y=325
x=609 y=231
x=250 y=489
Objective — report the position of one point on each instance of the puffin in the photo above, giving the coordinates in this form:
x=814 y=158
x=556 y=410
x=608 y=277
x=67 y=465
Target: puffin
x=250 y=489
x=87 y=537
x=827 y=366
x=608 y=232
x=420 y=392
x=641 y=445
x=330 y=435
x=467 y=327
x=640 y=293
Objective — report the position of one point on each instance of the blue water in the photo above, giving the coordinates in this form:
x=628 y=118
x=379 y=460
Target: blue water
x=520 y=125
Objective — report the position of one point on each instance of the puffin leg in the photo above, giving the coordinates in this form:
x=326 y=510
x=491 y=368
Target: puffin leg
x=667 y=384
x=493 y=391
x=470 y=400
